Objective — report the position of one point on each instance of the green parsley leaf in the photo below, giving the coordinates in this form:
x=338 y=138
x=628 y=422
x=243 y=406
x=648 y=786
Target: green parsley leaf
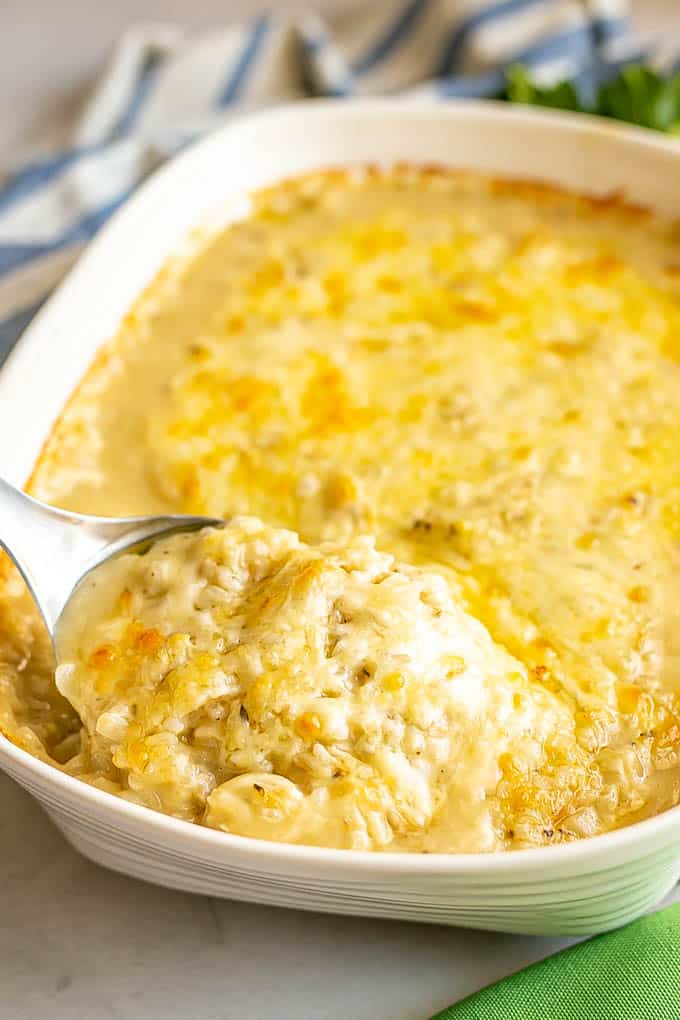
x=521 y=89
x=637 y=95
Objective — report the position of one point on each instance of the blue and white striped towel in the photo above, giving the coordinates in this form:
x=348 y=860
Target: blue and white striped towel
x=162 y=90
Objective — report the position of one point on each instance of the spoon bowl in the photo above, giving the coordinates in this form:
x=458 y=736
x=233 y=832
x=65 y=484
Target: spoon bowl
x=55 y=549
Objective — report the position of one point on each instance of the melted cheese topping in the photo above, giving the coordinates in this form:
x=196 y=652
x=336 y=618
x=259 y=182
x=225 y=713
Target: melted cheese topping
x=326 y=696
x=485 y=376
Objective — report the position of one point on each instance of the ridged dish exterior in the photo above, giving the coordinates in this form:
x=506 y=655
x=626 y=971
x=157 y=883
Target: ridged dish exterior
x=546 y=901
x=587 y=887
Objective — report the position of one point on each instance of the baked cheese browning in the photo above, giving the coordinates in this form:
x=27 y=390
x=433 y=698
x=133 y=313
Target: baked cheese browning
x=319 y=695
x=32 y=712
x=484 y=376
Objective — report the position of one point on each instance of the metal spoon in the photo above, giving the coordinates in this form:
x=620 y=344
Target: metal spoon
x=54 y=549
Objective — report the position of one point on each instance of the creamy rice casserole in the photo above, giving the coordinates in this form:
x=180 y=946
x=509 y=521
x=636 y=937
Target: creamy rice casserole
x=441 y=415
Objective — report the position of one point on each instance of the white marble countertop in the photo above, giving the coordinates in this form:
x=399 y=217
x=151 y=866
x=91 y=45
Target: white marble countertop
x=77 y=940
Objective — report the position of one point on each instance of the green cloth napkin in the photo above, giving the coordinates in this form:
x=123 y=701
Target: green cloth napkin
x=629 y=974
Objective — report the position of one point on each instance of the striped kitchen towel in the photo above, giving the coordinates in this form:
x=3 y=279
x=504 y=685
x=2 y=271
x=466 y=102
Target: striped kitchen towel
x=162 y=90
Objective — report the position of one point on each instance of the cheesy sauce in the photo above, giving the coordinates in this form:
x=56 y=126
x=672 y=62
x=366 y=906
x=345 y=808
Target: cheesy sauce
x=323 y=695
x=482 y=375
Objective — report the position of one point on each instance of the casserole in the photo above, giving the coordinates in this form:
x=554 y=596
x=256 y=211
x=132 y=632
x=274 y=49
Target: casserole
x=451 y=889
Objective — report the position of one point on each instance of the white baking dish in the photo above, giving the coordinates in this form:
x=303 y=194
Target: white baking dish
x=581 y=888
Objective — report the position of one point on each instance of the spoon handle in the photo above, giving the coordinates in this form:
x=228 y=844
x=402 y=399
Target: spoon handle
x=54 y=548
x=48 y=545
